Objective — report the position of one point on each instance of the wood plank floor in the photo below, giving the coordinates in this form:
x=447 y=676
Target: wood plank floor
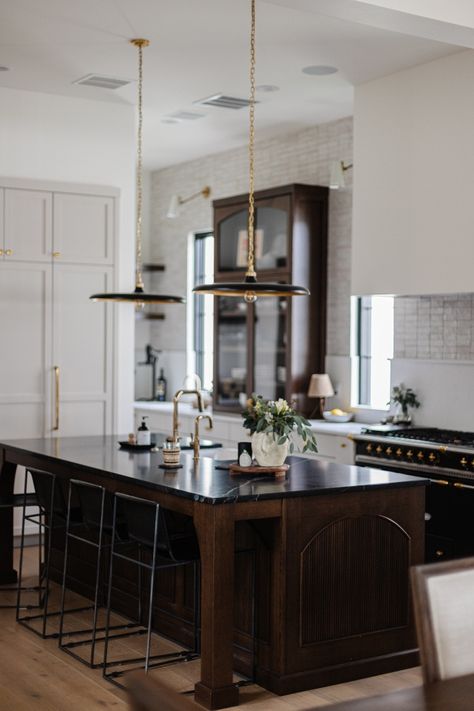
x=34 y=673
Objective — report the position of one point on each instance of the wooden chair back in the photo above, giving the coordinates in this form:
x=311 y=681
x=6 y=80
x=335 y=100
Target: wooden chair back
x=443 y=596
x=147 y=694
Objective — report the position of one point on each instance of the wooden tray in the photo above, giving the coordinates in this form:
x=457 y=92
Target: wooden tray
x=256 y=470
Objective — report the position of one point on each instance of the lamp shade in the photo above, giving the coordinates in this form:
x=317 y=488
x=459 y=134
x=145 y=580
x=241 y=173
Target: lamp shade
x=173 y=209
x=320 y=385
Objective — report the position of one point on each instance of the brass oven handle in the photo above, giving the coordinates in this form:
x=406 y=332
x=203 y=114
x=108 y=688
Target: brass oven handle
x=56 y=403
x=458 y=485
x=442 y=482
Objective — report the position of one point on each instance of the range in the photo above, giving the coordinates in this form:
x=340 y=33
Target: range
x=446 y=457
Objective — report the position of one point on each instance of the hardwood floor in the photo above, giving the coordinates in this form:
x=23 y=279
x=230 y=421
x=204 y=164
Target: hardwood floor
x=35 y=673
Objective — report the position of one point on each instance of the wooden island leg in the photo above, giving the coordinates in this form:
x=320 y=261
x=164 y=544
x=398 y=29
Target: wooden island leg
x=215 y=529
x=8 y=574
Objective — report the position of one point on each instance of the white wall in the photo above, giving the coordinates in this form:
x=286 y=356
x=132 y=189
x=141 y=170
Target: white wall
x=50 y=137
x=413 y=208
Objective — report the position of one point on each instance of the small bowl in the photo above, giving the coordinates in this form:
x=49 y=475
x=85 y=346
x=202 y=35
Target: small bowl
x=347 y=417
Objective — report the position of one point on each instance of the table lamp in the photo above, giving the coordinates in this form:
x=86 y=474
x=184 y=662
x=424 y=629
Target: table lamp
x=320 y=386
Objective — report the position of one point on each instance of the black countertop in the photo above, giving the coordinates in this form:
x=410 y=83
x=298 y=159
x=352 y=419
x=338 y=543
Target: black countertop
x=203 y=481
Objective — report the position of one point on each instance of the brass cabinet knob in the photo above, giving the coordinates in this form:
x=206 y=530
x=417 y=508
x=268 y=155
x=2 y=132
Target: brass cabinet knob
x=388 y=451
x=378 y=449
x=56 y=254
x=439 y=553
x=398 y=452
x=420 y=456
x=9 y=252
x=1 y=252
x=343 y=444
x=368 y=448
x=464 y=461
x=410 y=453
x=432 y=457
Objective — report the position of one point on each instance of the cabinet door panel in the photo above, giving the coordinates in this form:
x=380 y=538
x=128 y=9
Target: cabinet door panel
x=28 y=225
x=230 y=351
x=25 y=318
x=84 y=228
x=83 y=347
x=270 y=319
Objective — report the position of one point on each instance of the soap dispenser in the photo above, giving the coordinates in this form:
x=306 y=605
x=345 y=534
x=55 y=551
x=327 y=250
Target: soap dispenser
x=143 y=433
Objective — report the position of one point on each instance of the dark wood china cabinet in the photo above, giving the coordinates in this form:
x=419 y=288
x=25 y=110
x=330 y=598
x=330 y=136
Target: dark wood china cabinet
x=273 y=346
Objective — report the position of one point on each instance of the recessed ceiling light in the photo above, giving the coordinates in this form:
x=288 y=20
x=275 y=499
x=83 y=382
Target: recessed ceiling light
x=319 y=70
x=267 y=88
x=4 y=69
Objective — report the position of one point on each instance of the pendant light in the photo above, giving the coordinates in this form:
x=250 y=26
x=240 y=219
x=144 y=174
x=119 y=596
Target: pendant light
x=250 y=288
x=139 y=296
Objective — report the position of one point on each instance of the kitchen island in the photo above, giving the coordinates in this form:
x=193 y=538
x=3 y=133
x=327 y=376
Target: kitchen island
x=314 y=565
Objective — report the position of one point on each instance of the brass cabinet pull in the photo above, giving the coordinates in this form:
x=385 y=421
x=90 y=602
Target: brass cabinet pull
x=56 y=403
x=9 y=252
x=56 y=254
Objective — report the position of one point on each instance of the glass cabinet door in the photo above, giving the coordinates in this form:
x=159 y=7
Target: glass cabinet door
x=231 y=353
x=270 y=347
x=271 y=237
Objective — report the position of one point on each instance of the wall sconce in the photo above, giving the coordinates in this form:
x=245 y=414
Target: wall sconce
x=176 y=201
x=336 y=174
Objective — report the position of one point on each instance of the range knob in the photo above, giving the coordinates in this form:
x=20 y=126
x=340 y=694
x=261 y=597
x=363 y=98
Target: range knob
x=410 y=453
x=388 y=451
x=378 y=449
x=398 y=452
x=420 y=456
x=368 y=448
x=432 y=457
x=472 y=463
x=464 y=461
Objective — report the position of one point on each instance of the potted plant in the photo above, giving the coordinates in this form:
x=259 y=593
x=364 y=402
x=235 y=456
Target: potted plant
x=272 y=424
x=404 y=398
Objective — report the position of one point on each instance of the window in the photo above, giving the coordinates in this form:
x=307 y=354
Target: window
x=201 y=312
x=373 y=350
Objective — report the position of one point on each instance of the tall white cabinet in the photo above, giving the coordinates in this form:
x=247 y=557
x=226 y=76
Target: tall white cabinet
x=57 y=247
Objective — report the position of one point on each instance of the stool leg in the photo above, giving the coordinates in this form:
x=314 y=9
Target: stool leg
x=22 y=544
x=97 y=578
x=109 y=591
x=66 y=555
x=49 y=528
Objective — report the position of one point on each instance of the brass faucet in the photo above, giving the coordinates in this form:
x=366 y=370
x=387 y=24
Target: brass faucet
x=196 y=441
x=176 y=398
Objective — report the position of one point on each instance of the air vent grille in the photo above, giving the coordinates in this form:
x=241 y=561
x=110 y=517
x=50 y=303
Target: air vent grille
x=102 y=82
x=184 y=116
x=224 y=101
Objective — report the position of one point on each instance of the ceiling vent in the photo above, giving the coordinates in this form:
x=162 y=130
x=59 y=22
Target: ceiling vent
x=224 y=102
x=102 y=82
x=184 y=116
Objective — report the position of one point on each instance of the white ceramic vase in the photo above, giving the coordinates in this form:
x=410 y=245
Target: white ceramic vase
x=267 y=451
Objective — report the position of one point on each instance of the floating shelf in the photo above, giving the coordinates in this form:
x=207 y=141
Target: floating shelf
x=139 y=316
x=149 y=267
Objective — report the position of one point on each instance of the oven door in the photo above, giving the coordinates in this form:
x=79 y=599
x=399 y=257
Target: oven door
x=448 y=514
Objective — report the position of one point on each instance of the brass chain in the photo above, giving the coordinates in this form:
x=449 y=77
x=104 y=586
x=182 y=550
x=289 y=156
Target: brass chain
x=251 y=224
x=140 y=43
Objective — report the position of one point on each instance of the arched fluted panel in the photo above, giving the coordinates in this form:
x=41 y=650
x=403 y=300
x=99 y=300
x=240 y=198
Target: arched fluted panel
x=354 y=579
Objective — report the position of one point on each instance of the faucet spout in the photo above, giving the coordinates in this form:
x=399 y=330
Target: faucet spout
x=196 y=441
x=176 y=399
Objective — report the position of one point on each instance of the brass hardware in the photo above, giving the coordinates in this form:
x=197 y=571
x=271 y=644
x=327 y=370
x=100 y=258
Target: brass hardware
x=9 y=252
x=1 y=252
x=378 y=449
x=420 y=456
x=388 y=451
x=176 y=399
x=464 y=461
x=441 y=482
x=343 y=444
x=439 y=553
x=56 y=404
x=399 y=452
x=410 y=453
x=196 y=441
x=472 y=462
x=443 y=449
x=432 y=457
x=458 y=485
x=368 y=448
x=56 y=254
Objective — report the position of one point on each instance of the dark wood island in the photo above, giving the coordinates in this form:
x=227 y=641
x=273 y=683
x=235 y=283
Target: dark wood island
x=330 y=544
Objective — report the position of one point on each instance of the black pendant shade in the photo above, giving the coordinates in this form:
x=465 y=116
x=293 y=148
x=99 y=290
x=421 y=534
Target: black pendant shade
x=139 y=295
x=250 y=289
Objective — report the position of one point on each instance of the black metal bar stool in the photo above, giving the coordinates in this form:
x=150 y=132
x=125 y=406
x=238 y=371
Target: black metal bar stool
x=95 y=506
x=51 y=517
x=12 y=502
x=169 y=547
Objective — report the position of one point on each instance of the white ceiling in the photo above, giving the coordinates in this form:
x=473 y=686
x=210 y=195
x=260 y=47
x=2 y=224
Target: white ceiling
x=199 y=48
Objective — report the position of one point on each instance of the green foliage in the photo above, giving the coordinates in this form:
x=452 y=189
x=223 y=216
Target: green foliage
x=405 y=397
x=277 y=417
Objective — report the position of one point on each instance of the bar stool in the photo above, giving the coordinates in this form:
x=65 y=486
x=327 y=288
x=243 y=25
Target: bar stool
x=51 y=516
x=12 y=502
x=149 y=531
x=95 y=528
